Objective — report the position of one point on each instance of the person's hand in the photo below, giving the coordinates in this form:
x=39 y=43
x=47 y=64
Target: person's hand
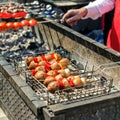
x=72 y=16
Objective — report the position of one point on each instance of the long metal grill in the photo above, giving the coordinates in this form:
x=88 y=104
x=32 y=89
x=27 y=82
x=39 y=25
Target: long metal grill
x=98 y=99
x=101 y=84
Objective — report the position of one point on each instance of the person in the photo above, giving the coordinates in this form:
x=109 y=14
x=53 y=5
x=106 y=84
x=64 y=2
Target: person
x=95 y=10
x=106 y=24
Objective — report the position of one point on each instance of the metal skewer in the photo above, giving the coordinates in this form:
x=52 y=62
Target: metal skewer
x=47 y=21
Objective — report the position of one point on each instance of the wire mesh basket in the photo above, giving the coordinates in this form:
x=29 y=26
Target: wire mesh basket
x=99 y=84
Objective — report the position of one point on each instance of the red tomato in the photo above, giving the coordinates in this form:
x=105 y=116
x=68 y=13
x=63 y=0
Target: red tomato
x=19 y=14
x=16 y=25
x=23 y=14
x=1 y=14
x=2 y=26
x=6 y=15
x=24 y=23
x=32 y=22
x=9 y=25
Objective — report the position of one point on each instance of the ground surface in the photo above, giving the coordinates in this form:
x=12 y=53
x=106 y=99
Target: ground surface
x=2 y=115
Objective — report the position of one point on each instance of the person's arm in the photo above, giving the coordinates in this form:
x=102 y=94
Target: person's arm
x=98 y=8
x=73 y=15
x=93 y=10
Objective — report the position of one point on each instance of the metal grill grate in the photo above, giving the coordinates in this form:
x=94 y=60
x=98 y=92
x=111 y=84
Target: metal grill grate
x=101 y=83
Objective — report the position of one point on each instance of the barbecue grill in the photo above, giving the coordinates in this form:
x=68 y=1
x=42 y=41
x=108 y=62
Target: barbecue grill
x=23 y=97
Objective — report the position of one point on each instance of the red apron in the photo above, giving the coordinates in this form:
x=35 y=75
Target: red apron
x=113 y=40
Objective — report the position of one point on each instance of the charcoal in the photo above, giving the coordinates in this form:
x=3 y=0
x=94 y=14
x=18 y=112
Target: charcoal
x=32 y=46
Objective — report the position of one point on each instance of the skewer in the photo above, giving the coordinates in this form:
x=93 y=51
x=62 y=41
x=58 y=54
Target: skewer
x=47 y=21
x=62 y=21
x=92 y=71
x=85 y=67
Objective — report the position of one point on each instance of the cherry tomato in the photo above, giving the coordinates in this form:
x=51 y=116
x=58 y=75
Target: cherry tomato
x=2 y=26
x=24 y=23
x=32 y=22
x=16 y=25
x=9 y=25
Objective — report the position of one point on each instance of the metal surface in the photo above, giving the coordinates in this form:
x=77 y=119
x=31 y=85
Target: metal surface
x=12 y=102
x=66 y=3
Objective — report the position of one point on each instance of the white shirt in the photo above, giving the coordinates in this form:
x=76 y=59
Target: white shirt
x=98 y=8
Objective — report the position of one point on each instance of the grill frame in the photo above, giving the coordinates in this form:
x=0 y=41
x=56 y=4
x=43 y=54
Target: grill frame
x=61 y=111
